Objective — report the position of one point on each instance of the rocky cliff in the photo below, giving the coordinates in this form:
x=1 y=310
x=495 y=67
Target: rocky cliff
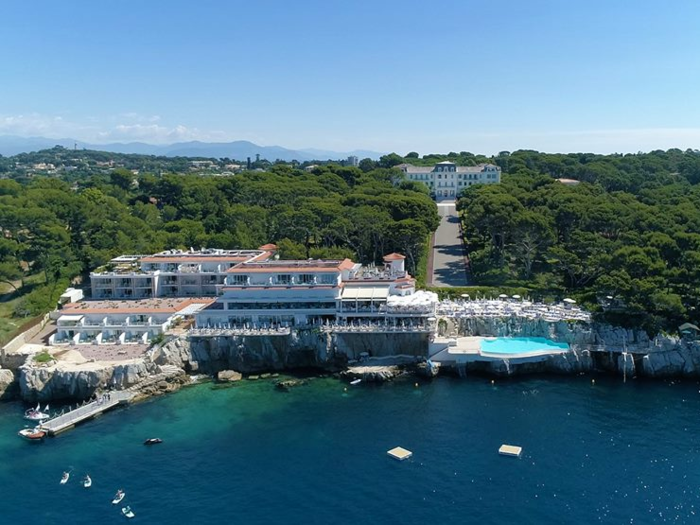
x=78 y=381
x=300 y=349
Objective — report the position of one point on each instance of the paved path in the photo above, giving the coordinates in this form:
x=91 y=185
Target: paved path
x=448 y=261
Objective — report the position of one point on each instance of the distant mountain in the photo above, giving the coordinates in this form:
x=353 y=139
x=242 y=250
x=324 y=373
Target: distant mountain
x=239 y=149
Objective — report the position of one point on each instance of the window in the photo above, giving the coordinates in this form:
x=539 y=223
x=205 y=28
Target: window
x=306 y=278
x=284 y=278
x=239 y=279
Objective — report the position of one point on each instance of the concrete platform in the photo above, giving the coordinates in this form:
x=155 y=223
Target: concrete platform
x=400 y=453
x=510 y=450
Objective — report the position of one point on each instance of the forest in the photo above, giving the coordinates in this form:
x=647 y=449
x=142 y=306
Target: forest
x=619 y=233
x=61 y=231
x=622 y=235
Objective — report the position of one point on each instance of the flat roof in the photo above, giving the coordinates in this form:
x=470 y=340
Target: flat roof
x=135 y=306
x=69 y=318
x=352 y=293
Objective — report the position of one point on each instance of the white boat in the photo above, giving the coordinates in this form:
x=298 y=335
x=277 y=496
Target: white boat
x=65 y=478
x=118 y=497
x=356 y=382
x=32 y=434
x=87 y=482
x=35 y=414
x=128 y=512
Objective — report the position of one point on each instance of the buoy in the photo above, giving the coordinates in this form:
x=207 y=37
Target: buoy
x=593 y=381
x=345 y=389
x=493 y=382
x=416 y=385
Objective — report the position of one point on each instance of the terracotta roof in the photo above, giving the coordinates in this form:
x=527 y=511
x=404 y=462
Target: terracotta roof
x=292 y=266
x=394 y=257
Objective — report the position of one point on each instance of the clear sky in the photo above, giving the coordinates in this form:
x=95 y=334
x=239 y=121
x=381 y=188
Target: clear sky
x=387 y=75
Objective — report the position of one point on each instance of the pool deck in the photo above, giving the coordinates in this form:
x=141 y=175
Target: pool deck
x=453 y=350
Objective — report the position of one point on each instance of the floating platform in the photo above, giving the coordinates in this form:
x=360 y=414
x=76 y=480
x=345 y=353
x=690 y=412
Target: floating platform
x=400 y=453
x=510 y=450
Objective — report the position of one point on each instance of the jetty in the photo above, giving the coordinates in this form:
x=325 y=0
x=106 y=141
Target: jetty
x=71 y=418
x=68 y=420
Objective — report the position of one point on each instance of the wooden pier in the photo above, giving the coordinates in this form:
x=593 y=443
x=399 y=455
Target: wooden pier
x=71 y=418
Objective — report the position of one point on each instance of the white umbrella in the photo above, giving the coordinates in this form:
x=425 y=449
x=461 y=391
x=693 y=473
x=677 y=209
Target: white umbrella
x=465 y=295
x=569 y=301
x=503 y=296
x=516 y=297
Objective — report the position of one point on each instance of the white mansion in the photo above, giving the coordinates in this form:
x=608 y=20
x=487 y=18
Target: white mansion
x=446 y=180
x=140 y=296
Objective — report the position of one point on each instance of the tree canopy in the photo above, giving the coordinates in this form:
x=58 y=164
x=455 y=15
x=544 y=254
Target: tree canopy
x=625 y=237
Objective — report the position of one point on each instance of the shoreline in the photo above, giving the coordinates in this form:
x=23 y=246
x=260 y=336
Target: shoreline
x=593 y=349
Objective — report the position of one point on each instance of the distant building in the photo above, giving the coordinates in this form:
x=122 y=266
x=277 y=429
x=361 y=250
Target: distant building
x=311 y=168
x=569 y=182
x=201 y=164
x=446 y=180
x=353 y=161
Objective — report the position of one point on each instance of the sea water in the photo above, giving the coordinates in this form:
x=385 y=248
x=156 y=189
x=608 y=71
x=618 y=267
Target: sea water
x=603 y=453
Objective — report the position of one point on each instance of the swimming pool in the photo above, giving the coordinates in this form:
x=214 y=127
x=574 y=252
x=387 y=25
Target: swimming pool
x=520 y=345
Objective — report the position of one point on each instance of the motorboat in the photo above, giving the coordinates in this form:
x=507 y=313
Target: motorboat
x=152 y=441
x=65 y=478
x=118 y=497
x=32 y=434
x=128 y=512
x=87 y=482
x=355 y=382
x=35 y=414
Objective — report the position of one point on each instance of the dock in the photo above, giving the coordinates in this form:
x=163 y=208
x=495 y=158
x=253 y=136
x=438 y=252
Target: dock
x=66 y=421
x=510 y=450
x=71 y=418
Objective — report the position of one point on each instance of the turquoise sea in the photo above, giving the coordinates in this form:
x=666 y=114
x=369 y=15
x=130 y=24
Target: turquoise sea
x=604 y=453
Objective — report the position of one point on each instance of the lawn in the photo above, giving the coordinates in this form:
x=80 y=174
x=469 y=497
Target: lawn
x=8 y=300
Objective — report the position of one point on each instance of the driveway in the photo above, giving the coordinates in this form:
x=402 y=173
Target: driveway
x=448 y=262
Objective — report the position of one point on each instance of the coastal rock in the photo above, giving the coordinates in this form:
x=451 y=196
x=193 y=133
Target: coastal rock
x=229 y=375
x=79 y=381
x=667 y=364
x=288 y=384
x=428 y=369
x=377 y=374
x=7 y=384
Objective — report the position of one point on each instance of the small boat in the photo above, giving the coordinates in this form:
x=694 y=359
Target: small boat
x=35 y=414
x=87 y=482
x=65 y=478
x=128 y=512
x=118 y=497
x=32 y=434
x=356 y=382
x=152 y=441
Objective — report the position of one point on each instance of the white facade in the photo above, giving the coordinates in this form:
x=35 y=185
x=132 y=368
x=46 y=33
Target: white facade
x=172 y=273
x=120 y=322
x=138 y=296
x=446 y=180
x=294 y=293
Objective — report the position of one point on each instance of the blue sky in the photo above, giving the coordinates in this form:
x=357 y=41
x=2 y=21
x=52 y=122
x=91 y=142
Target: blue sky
x=481 y=76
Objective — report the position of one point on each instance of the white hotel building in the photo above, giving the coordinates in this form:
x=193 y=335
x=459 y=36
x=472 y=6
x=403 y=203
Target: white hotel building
x=446 y=180
x=141 y=296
